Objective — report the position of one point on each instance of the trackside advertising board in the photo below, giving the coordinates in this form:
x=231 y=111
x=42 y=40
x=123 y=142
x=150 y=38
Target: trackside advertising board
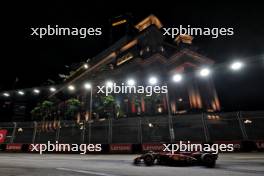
x=2 y=136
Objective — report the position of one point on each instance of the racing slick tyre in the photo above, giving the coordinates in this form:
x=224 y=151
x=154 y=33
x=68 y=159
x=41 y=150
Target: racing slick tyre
x=137 y=161
x=160 y=161
x=149 y=160
x=189 y=161
x=208 y=160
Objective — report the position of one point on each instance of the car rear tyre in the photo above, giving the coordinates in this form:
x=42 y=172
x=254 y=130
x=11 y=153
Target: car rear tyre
x=149 y=160
x=136 y=161
x=208 y=161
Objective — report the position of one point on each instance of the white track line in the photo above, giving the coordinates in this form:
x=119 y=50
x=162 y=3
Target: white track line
x=249 y=157
x=85 y=172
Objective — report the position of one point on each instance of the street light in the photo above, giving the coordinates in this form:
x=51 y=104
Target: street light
x=36 y=91
x=71 y=88
x=86 y=66
x=248 y=121
x=88 y=86
x=20 y=92
x=169 y=114
x=205 y=72
x=109 y=83
x=153 y=80
x=52 y=89
x=6 y=94
x=131 y=82
x=237 y=65
x=177 y=78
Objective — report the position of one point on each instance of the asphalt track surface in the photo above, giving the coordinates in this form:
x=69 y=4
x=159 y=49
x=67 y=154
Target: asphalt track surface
x=17 y=164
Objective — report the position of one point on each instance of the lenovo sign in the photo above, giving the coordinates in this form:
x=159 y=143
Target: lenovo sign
x=120 y=148
x=2 y=136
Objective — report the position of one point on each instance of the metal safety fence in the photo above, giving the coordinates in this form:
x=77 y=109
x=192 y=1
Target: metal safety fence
x=137 y=130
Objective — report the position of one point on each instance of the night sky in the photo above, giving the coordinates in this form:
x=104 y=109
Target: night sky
x=34 y=60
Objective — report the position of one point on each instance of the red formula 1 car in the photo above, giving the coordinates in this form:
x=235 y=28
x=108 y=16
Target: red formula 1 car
x=177 y=159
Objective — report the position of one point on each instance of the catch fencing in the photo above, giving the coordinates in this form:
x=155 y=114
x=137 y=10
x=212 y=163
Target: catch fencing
x=202 y=127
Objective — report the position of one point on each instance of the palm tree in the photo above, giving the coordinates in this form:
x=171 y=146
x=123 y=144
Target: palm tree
x=73 y=106
x=42 y=111
x=107 y=106
x=46 y=108
x=36 y=113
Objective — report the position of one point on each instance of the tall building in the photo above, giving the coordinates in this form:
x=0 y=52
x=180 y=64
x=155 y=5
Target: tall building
x=148 y=52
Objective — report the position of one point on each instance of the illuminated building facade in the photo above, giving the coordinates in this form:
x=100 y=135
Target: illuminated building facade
x=146 y=53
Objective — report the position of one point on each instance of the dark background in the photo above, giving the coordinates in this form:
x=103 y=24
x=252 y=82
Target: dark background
x=27 y=61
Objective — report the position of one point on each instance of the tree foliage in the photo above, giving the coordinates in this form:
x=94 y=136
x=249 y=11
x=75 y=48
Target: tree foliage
x=42 y=111
x=73 y=107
